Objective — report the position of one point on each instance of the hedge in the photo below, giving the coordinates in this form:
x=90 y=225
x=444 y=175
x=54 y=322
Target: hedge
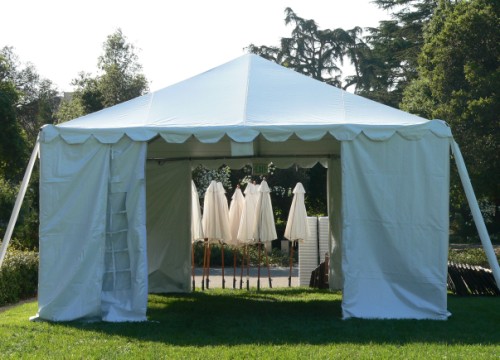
x=18 y=276
x=470 y=256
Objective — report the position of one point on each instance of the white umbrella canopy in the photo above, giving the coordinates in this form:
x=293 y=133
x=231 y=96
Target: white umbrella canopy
x=264 y=227
x=224 y=211
x=296 y=226
x=235 y=212
x=245 y=231
x=215 y=215
x=196 y=227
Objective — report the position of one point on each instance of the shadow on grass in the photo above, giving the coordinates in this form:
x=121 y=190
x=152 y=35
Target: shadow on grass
x=294 y=316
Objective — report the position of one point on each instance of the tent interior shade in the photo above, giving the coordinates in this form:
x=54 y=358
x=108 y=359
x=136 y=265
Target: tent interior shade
x=226 y=148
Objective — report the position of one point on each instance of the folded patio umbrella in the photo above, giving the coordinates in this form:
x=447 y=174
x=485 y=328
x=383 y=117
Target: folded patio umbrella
x=245 y=230
x=196 y=227
x=264 y=227
x=235 y=212
x=296 y=225
x=215 y=221
x=226 y=233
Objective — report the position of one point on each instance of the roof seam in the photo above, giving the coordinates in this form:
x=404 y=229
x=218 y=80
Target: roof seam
x=148 y=117
x=246 y=91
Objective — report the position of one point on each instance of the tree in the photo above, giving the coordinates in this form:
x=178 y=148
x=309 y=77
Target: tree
x=12 y=139
x=360 y=56
x=309 y=50
x=26 y=102
x=394 y=45
x=202 y=177
x=459 y=73
x=122 y=79
x=37 y=100
x=119 y=79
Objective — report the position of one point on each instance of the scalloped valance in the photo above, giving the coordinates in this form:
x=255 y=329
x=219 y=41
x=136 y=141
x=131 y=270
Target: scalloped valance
x=242 y=99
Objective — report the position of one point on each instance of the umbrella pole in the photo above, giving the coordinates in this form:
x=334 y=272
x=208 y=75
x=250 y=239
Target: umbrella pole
x=204 y=265
x=291 y=264
x=248 y=268
x=268 y=269
x=208 y=267
x=234 y=267
x=192 y=264
x=222 y=254
x=258 y=268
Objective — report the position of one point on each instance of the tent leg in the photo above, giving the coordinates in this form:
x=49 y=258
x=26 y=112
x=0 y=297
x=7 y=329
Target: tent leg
x=19 y=202
x=476 y=212
x=291 y=265
x=268 y=269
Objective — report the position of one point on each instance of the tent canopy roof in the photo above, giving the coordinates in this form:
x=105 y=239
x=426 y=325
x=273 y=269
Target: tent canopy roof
x=242 y=99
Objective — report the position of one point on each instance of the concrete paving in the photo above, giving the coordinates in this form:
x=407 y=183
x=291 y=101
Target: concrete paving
x=279 y=277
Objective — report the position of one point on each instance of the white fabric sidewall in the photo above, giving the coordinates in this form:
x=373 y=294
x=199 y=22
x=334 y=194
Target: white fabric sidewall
x=72 y=229
x=168 y=196
x=334 y=187
x=128 y=303
x=395 y=227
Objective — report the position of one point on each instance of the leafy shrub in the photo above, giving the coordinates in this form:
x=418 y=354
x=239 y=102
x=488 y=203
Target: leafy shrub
x=18 y=276
x=276 y=256
x=470 y=256
x=8 y=193
x=25 y=236
x=215 y=255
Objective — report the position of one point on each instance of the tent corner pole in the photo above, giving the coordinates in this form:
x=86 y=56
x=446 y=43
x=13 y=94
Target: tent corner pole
x=19 y=201
x=476 y=212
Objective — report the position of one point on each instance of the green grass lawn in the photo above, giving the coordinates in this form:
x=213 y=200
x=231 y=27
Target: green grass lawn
x=294 y=323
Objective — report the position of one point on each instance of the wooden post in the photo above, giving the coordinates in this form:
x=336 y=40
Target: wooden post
x=204 y=264
x=208 y=267
x=242 y=267
x=258 y=268
x=268 y=269
x=248 y=268
x=291 y=265
x=192 y=264
x=222 y=255
x=234 y=267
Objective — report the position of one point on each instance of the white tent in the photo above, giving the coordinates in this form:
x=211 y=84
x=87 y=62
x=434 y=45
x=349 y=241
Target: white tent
x=115 y=191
